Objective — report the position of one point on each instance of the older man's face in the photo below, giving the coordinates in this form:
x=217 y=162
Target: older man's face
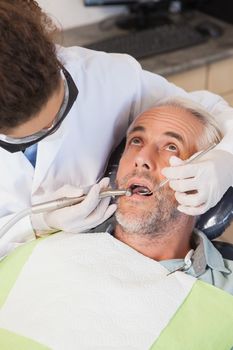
x=152 y=139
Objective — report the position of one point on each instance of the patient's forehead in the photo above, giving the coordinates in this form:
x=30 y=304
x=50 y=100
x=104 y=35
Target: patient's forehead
x=170 y=118
x=172 y=114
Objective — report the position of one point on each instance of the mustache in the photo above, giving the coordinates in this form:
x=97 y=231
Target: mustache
x=140 y=174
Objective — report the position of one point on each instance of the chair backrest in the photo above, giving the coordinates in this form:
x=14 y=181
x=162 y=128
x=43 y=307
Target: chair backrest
x=225 y=248
x=213 y=223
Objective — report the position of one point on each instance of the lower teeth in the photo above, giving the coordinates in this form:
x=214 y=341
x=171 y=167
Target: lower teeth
x=145 y=193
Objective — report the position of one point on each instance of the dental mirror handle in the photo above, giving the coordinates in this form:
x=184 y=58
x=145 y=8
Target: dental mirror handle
x=199 y=155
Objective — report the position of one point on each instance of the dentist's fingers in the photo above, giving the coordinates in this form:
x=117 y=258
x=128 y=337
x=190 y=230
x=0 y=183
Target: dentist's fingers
x=91 y=201
x=180 y=172
x=195 y=200
x=193 y=211
x=175 y=161
x=184 y=185
x=85 y=215
x=210 y=177
x=103 y=212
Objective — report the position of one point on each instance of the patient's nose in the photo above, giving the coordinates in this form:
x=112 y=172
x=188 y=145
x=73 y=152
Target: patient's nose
x=145 y=159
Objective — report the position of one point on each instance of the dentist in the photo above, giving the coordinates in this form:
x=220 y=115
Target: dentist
x=62 y=112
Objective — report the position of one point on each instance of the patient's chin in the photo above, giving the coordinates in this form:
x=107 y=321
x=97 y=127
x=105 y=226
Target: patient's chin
x=148 y=223
x=150 y=219
x=132 y=224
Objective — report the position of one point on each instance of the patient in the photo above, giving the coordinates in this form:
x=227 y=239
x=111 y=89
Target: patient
x=120 y=291
x=151 y=224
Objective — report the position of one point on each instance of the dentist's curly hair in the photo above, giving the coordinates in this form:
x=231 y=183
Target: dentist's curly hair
x=29 y=68
x=30 y=5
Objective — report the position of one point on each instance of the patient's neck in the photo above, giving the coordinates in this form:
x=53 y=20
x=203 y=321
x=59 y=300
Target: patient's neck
x=173 y=243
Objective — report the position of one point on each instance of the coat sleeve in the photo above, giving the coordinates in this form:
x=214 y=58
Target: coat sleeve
x=153 y=89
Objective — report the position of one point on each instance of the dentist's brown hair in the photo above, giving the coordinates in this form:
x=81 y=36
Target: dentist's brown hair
x=29 y=68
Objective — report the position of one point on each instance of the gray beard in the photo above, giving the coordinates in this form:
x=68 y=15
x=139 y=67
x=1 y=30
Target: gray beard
x=148 y=223
x=154 y=222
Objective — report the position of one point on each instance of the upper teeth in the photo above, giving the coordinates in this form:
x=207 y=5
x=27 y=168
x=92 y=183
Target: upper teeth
x=140 y=189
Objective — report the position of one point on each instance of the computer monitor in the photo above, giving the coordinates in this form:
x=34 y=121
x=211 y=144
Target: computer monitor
x=146 y=13
x=108 y=2
x=160 y=3
x=141 y=15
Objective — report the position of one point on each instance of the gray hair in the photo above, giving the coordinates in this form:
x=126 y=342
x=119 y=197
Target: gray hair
x=212 y=133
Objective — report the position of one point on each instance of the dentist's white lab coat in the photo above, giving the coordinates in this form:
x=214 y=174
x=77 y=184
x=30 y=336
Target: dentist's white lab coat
x=113 y=89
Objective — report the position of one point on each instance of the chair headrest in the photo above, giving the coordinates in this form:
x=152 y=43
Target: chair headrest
x=214 y=222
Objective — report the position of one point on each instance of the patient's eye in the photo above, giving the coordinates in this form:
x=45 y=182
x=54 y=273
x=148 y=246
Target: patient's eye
x=171 y=147
x=135 y=141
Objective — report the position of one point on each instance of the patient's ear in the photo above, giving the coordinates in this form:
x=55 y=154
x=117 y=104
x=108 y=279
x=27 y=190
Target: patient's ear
x=114 y=162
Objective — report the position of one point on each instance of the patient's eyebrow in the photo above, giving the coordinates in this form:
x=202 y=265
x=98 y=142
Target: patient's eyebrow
x=136 y=128
x=174 y=135
x=167 y=133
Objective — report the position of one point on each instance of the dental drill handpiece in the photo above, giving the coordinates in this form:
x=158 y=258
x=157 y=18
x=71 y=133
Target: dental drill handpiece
x=199 y=155
x=57 y=204
x=69 y=201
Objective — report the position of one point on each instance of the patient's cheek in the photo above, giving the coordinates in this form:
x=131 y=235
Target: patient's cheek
x=121 y=203
x=119 y=174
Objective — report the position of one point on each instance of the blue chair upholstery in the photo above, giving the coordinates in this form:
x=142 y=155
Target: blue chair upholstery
x=214 y=222
x=225 y=248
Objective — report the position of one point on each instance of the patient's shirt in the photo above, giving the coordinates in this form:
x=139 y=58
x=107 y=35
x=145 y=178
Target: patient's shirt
x=208 y=264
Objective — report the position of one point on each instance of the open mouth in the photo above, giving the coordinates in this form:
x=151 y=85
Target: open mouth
x=140 y=190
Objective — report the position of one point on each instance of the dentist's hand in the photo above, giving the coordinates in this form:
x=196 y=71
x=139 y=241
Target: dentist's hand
x=80 y=217
x=209 y=177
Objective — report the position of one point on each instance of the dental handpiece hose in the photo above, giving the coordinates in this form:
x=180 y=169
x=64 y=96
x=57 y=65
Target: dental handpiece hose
x=57 y=204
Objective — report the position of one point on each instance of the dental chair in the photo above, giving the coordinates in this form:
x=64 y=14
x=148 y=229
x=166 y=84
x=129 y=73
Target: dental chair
x=213 y=223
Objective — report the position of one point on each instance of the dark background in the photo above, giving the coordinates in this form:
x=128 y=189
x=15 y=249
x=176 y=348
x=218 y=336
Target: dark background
x=222 y=9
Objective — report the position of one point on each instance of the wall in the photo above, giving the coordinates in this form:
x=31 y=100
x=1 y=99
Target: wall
x=72 y=13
